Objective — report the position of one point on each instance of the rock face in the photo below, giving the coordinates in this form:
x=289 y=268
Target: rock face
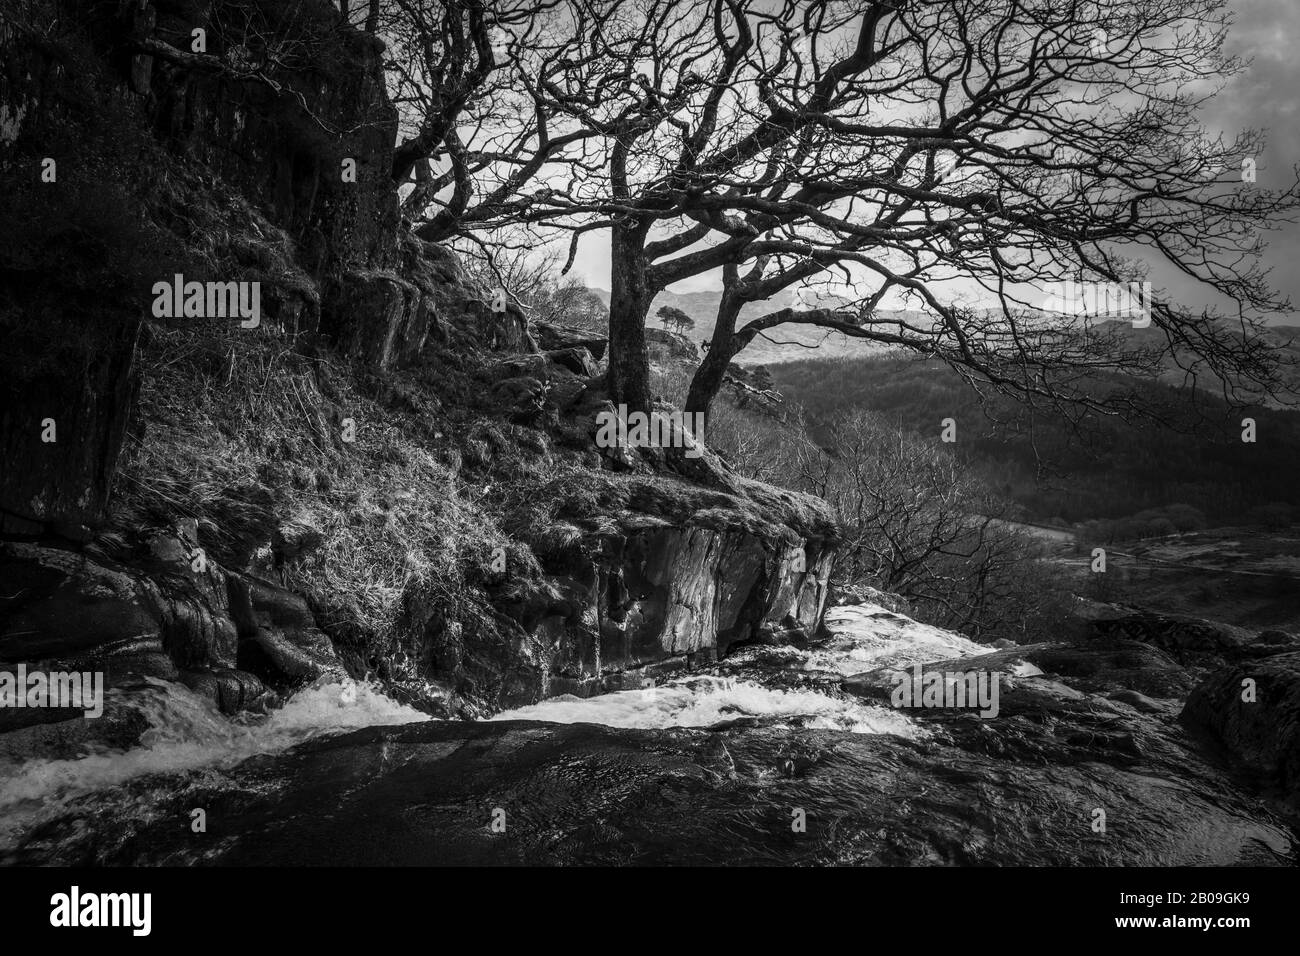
x=227 y=635
x=1253 y=709
x=670 y=347
x=285 y=152
x=667 y=597
x=94 y=92
x=60 y=433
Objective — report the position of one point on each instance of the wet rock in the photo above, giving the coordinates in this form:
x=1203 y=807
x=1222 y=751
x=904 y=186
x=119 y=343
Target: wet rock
x=230 y=689
x=1191 y=641
x=582 y=794
x=58 y=603
x=1257 y=723
x=71 y=737
x=278 y=637
x=156 y=620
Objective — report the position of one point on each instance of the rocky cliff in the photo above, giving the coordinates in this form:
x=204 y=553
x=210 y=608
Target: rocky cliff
x=386 y=476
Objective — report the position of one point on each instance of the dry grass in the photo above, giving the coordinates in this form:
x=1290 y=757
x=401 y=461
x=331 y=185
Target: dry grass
x=243 y=434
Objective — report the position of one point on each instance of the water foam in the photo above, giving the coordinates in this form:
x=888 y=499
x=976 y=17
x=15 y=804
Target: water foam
x=867 y=636
x=863 y=637
x=705 y=701
x=187 y=732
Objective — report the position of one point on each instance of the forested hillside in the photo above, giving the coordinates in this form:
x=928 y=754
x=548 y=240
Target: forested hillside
x=1103 y=467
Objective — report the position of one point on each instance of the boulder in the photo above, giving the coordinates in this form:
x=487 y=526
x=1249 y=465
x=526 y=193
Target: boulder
x=1252 y=709
x=551 y=337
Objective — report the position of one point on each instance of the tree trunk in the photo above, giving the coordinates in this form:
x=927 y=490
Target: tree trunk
x=707 y=381
x=629 y=301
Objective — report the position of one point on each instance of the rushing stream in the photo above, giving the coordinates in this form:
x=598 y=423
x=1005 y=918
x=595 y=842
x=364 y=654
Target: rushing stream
x=702 y=768
x=187 y=733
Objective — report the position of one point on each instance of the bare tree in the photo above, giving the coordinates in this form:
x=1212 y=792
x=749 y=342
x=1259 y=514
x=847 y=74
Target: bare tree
x=918 y=522
x=475 y=135
x=1048 y=143
x=1010 y=143
x=700 y=108
x=532 y=278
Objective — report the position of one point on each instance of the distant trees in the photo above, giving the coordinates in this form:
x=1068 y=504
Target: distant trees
x=1104 y=466
x=1148 y=523
x=532 y=278
x=675 y=320
x=1275 y=516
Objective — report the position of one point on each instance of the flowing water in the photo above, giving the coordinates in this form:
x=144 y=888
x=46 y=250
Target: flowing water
x=863 y=637
x=783 y=733
x=187 y=733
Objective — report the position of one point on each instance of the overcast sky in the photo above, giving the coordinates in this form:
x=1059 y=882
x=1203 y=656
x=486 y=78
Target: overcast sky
x=1265 y=96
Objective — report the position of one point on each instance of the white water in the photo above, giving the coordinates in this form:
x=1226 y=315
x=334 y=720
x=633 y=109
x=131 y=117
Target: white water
x=187 y=732
x=704 y=701
x=867 y=636
x=864 y=637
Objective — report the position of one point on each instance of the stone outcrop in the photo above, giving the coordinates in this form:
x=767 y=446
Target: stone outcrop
x=116 y=118
x=150 y=612
x=1191 y=641
x=666 y=597
x=670 y=348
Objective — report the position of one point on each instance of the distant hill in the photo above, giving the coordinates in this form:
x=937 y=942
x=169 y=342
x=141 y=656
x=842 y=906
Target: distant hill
x=793 y=343
x=1284 y=339
x=1110 y=468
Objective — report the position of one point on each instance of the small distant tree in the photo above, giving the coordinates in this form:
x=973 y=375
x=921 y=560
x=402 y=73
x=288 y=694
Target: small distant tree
x=1274 y=516
x=1160 y=527
x=675 y=320
x=1185 y=517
